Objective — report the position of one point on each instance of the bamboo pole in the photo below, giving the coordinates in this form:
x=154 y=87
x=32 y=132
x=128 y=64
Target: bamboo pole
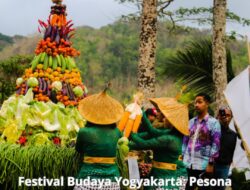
x=248 y=50
x=246 y=148
x=243 y=141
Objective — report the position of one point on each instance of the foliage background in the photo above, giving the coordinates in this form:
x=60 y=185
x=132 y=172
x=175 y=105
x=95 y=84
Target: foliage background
x=110 y=53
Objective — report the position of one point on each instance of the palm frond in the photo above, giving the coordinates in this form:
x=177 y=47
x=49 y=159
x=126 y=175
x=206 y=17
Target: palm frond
x=193 y=65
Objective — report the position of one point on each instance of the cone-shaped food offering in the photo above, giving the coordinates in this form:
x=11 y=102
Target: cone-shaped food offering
x=54 y=62
x=44 y=107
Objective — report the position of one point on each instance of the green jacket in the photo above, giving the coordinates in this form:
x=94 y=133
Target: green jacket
x=98 y=141
x=166 y=145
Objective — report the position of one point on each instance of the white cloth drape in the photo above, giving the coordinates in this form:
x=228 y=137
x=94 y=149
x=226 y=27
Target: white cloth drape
x=237 y=95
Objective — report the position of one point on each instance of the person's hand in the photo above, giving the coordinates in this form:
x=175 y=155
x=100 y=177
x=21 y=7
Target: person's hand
x=132 y=134
x=242 y=146
x=210 y=169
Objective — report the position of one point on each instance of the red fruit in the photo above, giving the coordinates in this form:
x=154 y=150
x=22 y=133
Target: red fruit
x=57 y=140
x=22 y=140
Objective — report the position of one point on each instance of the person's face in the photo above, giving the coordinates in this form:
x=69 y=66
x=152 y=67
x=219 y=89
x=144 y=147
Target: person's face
x=151 y=118
x=167 y=124
x=226 y=119
x=159 y=115
x=200 y=104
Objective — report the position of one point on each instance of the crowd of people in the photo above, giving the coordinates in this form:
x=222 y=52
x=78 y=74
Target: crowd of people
x=200 y=147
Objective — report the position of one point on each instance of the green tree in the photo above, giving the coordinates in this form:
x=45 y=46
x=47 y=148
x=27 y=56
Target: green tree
x=153 y=8
x=10 y=70
x=193 y=66
x=100 y=60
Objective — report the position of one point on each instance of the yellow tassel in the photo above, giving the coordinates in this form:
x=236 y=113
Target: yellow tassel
x=137 y=123
x=123 y=121
x=128 y=128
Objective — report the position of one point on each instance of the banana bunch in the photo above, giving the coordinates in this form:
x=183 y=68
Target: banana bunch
x=53 y=62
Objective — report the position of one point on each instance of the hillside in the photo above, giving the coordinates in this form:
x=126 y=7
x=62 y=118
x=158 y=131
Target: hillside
x=111 y=54
x=5 y=41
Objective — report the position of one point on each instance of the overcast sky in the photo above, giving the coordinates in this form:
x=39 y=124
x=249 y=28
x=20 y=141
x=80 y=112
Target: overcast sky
x=20 y=16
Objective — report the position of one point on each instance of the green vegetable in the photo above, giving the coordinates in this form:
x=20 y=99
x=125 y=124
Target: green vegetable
x=57 y=85
x=11 y=132
x=32 y=82
x=48 y=117
x=33 y=162
x=123 y=140
x=19 y=81
x=78 y=91
x=121 y=154
x=40 y=139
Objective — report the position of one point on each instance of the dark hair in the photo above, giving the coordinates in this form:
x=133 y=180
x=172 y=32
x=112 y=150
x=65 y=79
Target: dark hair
x=205 y=96
x=150 y=111
x=225 y=107
x=90 y=124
